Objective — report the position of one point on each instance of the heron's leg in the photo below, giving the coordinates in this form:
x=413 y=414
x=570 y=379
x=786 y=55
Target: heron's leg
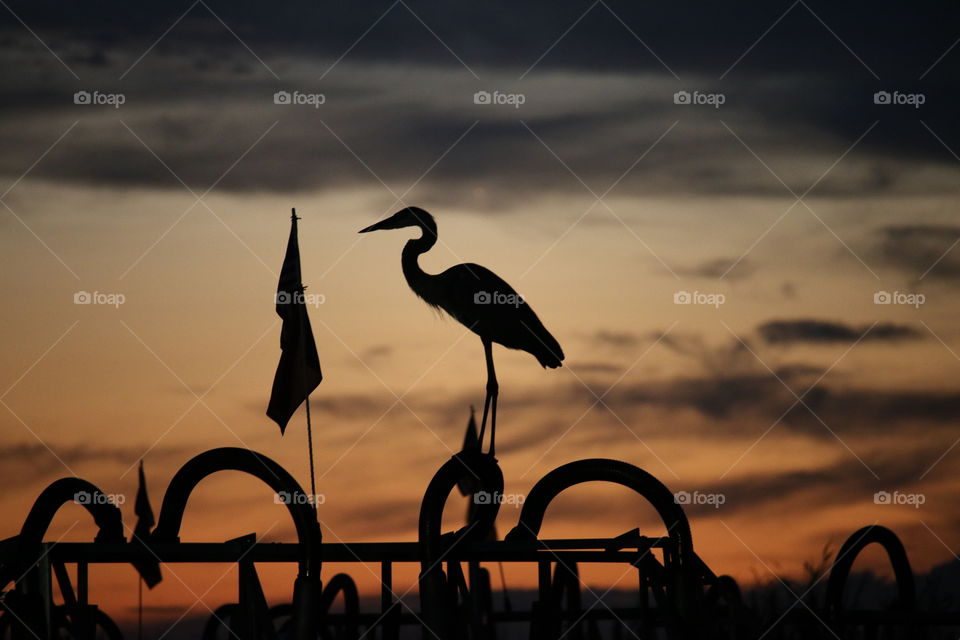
x=493 y=390
x=483 y=421
x=493 y=419
x=486 y=401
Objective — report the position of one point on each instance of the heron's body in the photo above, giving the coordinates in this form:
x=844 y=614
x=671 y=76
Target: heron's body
x=477 y=298
x=456 y=290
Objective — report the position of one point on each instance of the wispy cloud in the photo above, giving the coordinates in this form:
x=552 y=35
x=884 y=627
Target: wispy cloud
x=830 y=331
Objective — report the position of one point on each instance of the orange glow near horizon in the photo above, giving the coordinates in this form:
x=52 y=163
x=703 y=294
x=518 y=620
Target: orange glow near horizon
x=185 y=364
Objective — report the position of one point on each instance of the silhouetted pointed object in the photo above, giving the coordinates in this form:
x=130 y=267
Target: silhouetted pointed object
x=470 y=439
x=477 y=298
x=253 y=614
x=149 y=569
x=471 y=442
x=298 y=372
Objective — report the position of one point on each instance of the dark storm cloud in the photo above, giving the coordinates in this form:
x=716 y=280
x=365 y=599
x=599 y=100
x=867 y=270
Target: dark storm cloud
x=921 y=250
x=400 y=98
x=889 y=38
x=826 y=331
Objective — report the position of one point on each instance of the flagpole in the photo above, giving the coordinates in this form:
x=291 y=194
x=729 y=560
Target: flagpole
x=139 y=608
x=313 y=482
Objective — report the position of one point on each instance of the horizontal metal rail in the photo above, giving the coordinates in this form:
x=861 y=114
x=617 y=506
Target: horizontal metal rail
x=619 y=614
x=599 y=550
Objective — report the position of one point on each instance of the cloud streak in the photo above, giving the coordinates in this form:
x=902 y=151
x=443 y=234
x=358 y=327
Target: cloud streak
x=921 y=249
x=782 y=332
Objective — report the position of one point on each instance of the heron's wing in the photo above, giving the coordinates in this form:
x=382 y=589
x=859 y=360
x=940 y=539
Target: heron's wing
x=468 y=290
x=484 y=302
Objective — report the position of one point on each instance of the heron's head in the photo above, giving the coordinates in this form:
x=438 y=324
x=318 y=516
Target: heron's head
x=409 y=217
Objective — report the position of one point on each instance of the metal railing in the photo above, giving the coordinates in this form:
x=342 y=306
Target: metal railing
x=677 y=595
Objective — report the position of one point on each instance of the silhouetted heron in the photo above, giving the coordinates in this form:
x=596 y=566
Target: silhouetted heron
x=477 y=298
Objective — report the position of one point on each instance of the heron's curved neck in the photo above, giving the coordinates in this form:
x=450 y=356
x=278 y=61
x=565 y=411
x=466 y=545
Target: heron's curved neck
x=418 y=279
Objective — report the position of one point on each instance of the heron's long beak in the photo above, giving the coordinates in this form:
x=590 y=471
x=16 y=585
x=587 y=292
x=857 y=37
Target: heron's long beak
x=374 y=227
x=386 y=223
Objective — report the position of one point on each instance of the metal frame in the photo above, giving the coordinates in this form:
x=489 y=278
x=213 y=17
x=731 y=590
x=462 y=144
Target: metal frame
x=678 y=594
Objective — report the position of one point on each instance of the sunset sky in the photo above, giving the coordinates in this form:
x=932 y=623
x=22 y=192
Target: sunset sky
x=787 y=193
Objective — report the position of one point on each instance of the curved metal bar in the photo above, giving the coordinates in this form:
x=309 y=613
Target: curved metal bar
x=604 y=470
x=107 y=516
x=730 y=616
x=472 y=465
x=257 y=465
x=343 y=583
x=306 y=587
x=725 y=588
x=848 y=553
x=435 y=596
x=680 y=562
x=217 y=619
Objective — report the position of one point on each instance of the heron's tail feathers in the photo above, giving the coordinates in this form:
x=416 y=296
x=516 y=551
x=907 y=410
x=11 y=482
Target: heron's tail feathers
x=549 y=354
x=550 y=362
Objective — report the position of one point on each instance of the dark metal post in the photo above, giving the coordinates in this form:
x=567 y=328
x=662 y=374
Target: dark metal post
x=388 y=610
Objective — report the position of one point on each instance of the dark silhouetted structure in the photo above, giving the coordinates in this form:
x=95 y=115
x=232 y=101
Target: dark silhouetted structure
x=677 y=596
x=477 y=298
x=148 y=569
